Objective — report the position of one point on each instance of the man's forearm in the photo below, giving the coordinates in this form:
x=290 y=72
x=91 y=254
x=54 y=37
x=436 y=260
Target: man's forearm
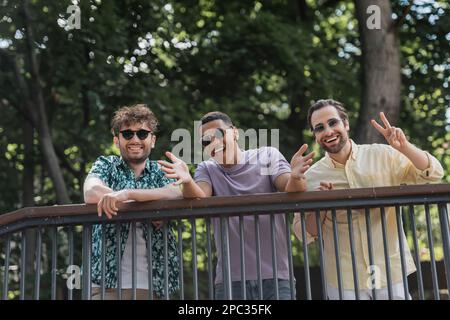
x=295 y=185
x=418 y=157
x=167 y=193
x=95 y=193
x=192 y=190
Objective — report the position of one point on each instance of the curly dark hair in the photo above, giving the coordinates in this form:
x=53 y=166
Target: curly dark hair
x=129 y=115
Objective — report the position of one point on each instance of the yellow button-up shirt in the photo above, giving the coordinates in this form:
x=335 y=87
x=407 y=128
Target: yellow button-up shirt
x=373 y=165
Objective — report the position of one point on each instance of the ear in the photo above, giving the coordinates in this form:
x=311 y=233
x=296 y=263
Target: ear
x=236 y=133
x=153 y=142
x=346 y=125
x=116 y=141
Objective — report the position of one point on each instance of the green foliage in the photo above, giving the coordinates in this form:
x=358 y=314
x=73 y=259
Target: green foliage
x=262 y=62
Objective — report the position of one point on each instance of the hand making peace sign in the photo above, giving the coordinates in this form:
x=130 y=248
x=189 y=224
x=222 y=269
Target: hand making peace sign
x=394 y=136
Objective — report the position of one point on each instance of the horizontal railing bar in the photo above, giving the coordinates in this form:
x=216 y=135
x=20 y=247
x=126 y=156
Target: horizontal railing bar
x=250 y=209
x=234 y=201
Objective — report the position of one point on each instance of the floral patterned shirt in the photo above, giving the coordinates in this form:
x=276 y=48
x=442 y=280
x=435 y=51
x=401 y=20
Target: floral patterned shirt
x=116 y=174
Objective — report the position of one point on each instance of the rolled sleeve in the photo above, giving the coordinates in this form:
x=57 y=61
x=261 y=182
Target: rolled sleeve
x=432 y=174
x=101 y=169
x=201 y=174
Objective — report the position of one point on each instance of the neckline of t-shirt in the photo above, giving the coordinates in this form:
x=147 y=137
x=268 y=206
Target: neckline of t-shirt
x=236 y=167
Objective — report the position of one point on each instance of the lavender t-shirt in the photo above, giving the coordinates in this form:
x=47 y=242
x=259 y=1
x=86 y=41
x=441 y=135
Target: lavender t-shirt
x=256 y=174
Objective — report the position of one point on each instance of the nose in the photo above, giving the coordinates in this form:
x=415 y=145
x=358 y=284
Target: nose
x=327 y=130
x=134 y=138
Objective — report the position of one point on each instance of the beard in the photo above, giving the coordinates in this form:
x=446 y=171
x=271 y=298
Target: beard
x=337 y=148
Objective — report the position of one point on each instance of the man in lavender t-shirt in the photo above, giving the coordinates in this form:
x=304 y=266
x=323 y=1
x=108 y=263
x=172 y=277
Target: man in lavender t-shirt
x=231 y=171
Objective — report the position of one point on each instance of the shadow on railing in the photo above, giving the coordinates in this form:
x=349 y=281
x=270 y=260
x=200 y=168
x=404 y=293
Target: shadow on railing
x=57 y=252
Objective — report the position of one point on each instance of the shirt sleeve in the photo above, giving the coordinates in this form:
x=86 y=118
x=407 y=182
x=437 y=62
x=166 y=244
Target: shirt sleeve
x=277 y=164
x=102 y=169
x=202 y=174
x=407 y=173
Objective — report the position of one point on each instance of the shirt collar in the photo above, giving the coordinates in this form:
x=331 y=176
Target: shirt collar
x=124 y=165
x=353 y=156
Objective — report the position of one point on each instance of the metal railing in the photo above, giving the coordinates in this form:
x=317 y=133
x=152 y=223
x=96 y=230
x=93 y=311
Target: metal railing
x=46 y=252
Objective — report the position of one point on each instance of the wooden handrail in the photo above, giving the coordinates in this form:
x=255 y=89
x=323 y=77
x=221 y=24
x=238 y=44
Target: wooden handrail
x=229 y=201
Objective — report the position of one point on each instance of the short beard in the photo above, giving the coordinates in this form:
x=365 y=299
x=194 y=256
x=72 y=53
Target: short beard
x=338 y=148
x=135 y=161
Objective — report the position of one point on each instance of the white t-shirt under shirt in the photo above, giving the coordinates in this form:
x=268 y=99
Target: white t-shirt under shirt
x=141 y=261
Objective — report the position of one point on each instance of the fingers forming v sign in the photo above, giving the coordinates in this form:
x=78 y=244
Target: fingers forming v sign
x=394 y=136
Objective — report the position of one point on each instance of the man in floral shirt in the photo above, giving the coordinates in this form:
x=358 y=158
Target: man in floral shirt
x=131 y=177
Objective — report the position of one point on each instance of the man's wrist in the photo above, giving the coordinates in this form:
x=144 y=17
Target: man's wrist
x=128 y=194
x=300 y=176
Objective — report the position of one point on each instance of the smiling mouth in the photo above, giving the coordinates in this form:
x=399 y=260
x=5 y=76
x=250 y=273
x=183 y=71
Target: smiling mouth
x=134 y=148
x=217 y=150
x=331 y=139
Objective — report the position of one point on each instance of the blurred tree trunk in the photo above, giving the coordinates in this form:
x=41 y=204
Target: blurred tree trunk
x=37 y=107
x=380 y=69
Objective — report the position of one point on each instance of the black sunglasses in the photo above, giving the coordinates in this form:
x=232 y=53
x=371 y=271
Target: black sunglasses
x=331 y=123
x=129 y=134
x=207 y=139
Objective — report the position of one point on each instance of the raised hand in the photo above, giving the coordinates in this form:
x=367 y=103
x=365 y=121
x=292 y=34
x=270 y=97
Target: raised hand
x=394 y=136
x=300 y=163
x=178 y=169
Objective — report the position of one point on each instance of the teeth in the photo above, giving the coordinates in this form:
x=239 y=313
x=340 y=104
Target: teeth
x=330 y=140
x=218 y=149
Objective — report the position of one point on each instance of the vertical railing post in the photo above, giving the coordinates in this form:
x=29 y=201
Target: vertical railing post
x=274 y=256
x=353 y=252
x=337 y=254
x=225 y=243
x=258 y=257
x=37 y=276
x=289 y=254
x=398 y=216
x=417 y=253
x=150 y=259
x=194 y=257
x=305 y=256
x=444 y=222
x=71 y=257
x=370 y=246
x=321 y=255
x=23 y=264
x=242 y=253
x=87 y=249
x=180 y=255
x=387 y=259
x=6 y=274
x=119 y=259
x=434 y=277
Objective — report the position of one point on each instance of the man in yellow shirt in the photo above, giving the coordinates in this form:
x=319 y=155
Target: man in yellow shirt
x=349 y=165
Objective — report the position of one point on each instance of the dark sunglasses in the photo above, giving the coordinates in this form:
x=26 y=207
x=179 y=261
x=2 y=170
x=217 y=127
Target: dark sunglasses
x=129 y=134
x=207 y=139
x=331 y=123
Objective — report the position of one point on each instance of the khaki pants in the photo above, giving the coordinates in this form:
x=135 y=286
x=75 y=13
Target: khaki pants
x=127 y=294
